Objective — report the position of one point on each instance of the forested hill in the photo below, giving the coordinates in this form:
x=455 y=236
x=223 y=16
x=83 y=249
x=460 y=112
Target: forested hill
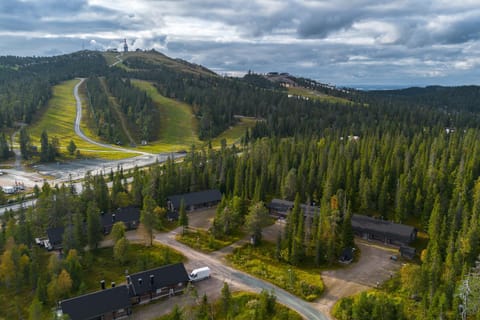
x=406 y=155
x=25 y=83
x=25 y=87
x=463 y=98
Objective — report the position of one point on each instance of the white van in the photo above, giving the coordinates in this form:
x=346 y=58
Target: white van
x=8 y=190
x=200 y=274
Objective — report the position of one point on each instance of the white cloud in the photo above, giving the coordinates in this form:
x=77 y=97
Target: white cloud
x=332 y=40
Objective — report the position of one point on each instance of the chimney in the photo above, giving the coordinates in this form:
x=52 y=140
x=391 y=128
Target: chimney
x=140 y=281
x=102 y=284
x=113 y=284
x=152 y=279
x=113 y=217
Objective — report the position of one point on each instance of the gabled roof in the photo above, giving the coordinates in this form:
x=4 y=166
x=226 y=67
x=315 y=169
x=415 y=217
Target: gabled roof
x=407 y=250
x=195 y=198
x=126 y=215
x=280 y=205
x=95 y=304
x=382 y=226
x=286 y=206
x=55 y=235
x=165 y=276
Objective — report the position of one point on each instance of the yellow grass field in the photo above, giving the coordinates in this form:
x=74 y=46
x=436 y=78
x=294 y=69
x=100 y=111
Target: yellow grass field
x=177 y=123
x=315 y=95
x=59 y=118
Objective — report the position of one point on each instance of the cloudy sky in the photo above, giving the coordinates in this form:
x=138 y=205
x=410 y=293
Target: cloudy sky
x=344 y=42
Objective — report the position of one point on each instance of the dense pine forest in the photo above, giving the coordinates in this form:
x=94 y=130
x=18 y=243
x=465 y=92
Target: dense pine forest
x=410 y=156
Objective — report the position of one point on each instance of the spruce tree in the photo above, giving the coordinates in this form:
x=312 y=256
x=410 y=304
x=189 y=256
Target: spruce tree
x=183 y=217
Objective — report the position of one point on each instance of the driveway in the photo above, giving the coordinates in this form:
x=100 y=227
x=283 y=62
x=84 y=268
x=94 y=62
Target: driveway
x=374 y=266
x=237 y=279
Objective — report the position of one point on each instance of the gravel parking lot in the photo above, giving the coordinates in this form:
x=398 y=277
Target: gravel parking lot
x=373 y=267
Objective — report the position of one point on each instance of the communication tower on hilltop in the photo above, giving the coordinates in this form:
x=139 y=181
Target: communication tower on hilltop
x=125 y=46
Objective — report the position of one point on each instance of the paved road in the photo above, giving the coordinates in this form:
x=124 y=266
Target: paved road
x=76 y=170
x=18 y=206
x=80 y=133
x=219 y=270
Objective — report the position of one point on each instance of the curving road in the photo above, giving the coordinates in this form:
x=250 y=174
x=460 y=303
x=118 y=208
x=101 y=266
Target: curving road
x=219 y=270
x=79 y=132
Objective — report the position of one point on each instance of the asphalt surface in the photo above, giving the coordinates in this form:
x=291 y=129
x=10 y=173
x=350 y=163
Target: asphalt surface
x=228 y=274
x=80 y=133
x=66 y=172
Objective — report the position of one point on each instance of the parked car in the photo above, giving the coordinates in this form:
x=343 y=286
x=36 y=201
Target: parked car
x=200 y=274
x=47 y=245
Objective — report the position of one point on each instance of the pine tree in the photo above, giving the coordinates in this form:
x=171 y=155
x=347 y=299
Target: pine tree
x=347 y=236
x=225 y=300
x=4 y=147
x=25 y=144
x=148 y=218
x=44 y=150
x=255 y=220
x=93 y=226
x=183 y=217
x=71 y=147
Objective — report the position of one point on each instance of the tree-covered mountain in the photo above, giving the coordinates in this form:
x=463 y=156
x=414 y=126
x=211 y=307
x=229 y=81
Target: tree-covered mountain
x=405 y=155
x=25 y=83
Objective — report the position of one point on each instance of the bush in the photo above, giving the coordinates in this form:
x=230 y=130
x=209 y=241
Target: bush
x=260 y=261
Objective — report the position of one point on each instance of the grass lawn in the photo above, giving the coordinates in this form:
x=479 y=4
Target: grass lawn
x=102 y=266
x=110 y=57
x=159 y=59
x=305 y=283
x=315 y=95
x=242 y=307
x=58 y=119
x=204 y=241
x=234 y=134
x=177 y=123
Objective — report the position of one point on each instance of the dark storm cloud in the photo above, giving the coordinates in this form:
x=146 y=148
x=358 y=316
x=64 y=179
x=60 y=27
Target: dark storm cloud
x=321 y=24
